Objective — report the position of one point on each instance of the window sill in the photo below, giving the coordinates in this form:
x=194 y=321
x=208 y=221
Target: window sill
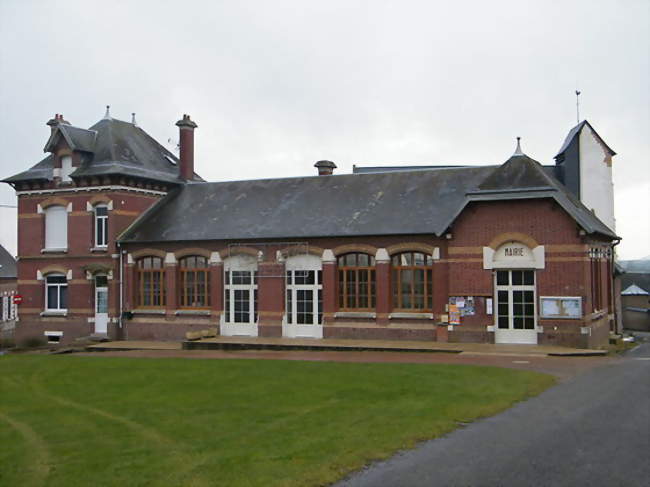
x=195 y=312
x=99 y=249
x=355 y=314
x=55 y=251
x=54 y=313
x=148 y=311
x=410 y=316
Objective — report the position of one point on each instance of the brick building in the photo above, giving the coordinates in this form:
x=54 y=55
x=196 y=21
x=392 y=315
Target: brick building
x=119 y=238
x=8 y=289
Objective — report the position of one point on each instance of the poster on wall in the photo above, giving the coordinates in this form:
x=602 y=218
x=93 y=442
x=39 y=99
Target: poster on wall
x=561 y=307
x=464 y=304
x=454 y=315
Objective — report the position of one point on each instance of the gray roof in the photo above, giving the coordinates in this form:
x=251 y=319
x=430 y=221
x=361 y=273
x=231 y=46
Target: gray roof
x=637 y=266
x=575 y=131
x=634 y=290
x=7 y=264
x=521 y=177
x=111 y=147
x=76 y=138
x=383 y=203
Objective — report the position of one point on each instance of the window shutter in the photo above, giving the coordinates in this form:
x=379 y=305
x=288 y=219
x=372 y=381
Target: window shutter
x=56 y=227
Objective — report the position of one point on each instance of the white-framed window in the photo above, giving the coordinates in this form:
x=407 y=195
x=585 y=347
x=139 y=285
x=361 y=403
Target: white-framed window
x=240 y=289
x=56 y=228
x=66 y=168
x=304 y=286
x=101 y=225
x=515 y=299
x=56 y=292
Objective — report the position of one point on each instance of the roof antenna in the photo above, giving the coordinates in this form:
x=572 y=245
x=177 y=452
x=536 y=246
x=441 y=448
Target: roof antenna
x=518 y=151
x=133 y=119
x=578 y=106
x=107 y=115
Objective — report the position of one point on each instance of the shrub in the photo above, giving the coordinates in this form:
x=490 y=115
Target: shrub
x=33 y=342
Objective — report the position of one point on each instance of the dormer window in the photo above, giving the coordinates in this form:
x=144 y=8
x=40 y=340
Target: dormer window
x=66 y=168
x=101 y=226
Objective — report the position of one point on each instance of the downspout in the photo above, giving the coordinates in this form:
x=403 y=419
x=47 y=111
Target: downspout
x=121 y=322
x=613 y=297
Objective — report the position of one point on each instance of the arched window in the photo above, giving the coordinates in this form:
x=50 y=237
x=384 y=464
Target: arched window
x=194 y=289
x=240 y=288
x=356 y=282
x=150 y=283
x=56 y=228
x=412 y=281
x=56 y=292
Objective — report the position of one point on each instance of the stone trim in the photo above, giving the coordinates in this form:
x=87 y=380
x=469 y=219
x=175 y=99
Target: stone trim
x=50 y=269
x=192 y=251
x=502 y=238
x=356 y=247
x=53 y=201
x=296 y=250
x=410 y=247
x=147 y=252
x=238 y=250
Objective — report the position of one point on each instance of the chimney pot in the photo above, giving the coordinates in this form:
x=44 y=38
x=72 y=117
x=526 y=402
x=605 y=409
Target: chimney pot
x=186 y=136
x=325 y=168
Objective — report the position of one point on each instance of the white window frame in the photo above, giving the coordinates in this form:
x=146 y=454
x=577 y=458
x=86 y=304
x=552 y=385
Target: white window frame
x=240 y=263
x=100 y=221
x=56 y=231
x=59 y=286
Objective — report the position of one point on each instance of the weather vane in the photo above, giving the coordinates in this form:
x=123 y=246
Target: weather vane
x=578 y=106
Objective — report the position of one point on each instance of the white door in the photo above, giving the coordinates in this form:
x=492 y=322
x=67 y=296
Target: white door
x=240 y=292
x=101 y=305
x=304 y=296
x=515 y=310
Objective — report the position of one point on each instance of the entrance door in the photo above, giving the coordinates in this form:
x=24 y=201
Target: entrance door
x=101 y=304
x=304 y=316
x=515 y=315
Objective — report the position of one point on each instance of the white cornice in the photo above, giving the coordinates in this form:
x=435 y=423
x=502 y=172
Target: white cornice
x=91 y=189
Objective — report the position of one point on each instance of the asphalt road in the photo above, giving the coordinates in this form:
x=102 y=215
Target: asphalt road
x=592 y=430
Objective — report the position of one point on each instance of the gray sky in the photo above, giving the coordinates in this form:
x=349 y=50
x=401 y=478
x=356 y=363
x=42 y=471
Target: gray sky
x=278 y=85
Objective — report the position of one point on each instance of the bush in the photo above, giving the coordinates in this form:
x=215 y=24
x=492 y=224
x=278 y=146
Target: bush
x=7 y=343
x=33 y=342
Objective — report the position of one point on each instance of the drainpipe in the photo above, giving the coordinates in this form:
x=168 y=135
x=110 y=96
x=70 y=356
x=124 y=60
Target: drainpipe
x=121 y=324
x=613 y=297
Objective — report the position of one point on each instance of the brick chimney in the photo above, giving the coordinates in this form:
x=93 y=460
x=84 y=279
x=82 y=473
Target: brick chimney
x=325 y=168
x=54 y=122
x=186 y=134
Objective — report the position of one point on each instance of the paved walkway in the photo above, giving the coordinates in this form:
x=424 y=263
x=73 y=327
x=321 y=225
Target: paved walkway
x=222 y=342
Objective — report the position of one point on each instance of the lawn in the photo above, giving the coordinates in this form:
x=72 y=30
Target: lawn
x=74 y=420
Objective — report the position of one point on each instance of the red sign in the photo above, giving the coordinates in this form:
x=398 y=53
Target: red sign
x=18 y=299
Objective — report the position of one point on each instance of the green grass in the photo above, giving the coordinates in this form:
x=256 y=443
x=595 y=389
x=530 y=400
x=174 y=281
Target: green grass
x=73 y=420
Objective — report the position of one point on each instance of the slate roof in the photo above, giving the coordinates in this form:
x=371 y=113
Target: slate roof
x=7 y=264
x=111 y=147
x=574 y=132
x=634 y=290
x=424 y=201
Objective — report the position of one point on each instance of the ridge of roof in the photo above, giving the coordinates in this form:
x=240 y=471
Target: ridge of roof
x=576 y=131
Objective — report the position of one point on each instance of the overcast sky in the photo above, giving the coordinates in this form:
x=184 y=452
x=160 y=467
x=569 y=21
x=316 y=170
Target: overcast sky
x=277 y=85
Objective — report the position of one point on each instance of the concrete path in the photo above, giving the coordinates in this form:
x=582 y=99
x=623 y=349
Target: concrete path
x=591 y=430
x=269 y=343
